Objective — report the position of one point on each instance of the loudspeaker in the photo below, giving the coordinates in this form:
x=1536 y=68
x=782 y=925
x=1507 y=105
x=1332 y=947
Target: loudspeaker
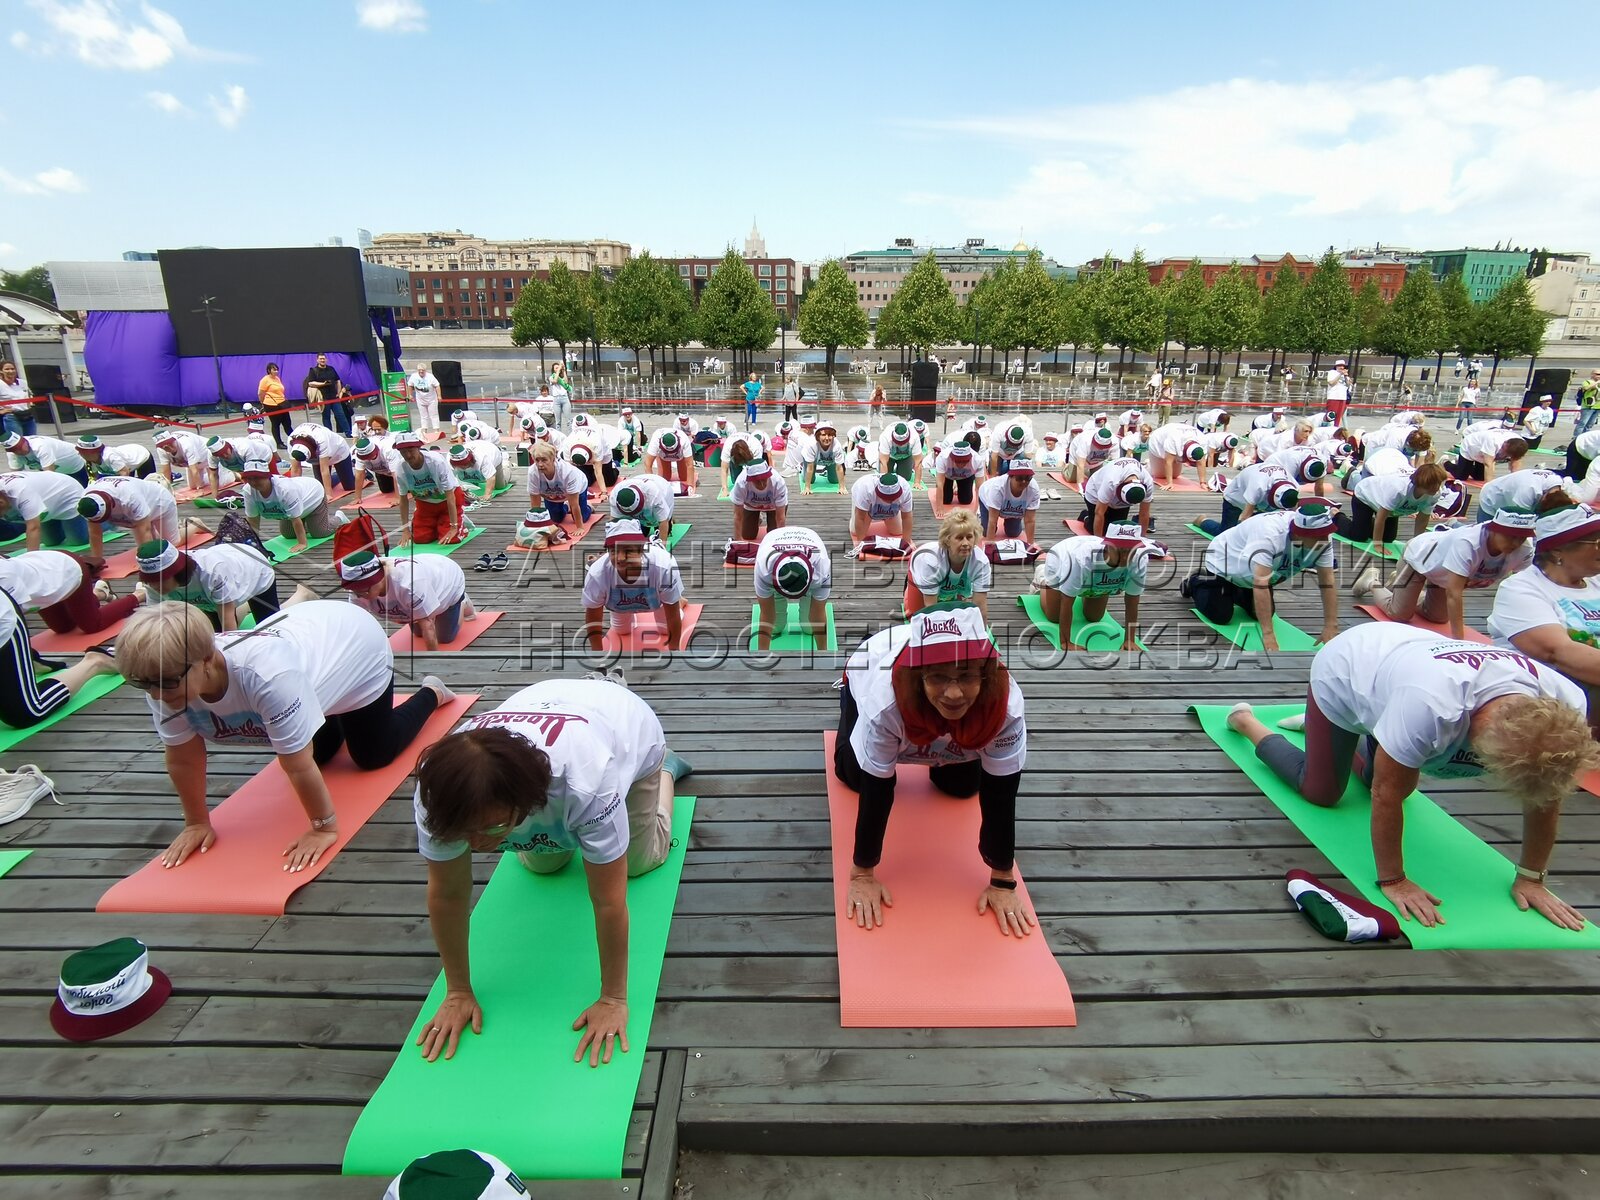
x=1547 y=381
x=924 y=380
x=448 y=373
x=45 y=379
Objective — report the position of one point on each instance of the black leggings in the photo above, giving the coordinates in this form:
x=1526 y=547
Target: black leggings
x=1216 y=598
x=375 y=733
x=25 y=701
x=281 y=423
x=262 y=606
x=1577 y=464
x=997 y=797
x=1359 y=525
x=962 y=488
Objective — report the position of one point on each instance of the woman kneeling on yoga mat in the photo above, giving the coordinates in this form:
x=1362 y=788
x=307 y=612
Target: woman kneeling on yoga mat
x=634 y=576
x=792 y=563
x=1095 y=569
x=953 y=568
x=1243 y=565
x=315 y=677
x=1395 y=703
x=565 y=765
x=933 y=692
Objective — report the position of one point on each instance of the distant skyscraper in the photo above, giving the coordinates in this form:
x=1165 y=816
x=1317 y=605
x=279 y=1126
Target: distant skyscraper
x=755 y=246
x=336 y=241
x=364 y=238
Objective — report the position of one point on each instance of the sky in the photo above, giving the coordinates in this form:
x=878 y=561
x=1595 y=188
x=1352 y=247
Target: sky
x=1178 y=128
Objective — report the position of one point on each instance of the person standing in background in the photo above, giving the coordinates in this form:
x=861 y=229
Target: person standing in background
x=791 y=400
x=275 y=404
x=1588 y=402
x=323 y=386
x=752 y=393
x=15 y=418
x=1338 y=391
x=422 y=389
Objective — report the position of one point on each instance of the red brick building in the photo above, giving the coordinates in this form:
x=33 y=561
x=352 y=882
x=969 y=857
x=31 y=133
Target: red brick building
x=1262 y=270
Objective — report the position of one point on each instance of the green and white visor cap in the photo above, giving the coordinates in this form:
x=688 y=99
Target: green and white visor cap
x=106 y=990
x=457 y=1175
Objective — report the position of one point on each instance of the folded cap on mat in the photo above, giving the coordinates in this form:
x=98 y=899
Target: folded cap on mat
x=1339 y=915
x=456 y=1175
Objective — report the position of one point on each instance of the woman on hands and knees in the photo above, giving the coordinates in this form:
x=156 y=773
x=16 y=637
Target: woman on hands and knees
x=1394 y=703
x=933 y=692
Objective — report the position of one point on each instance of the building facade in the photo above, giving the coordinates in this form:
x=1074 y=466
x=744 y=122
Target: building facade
x=1388 y=273
x=781 y=278
x=1583 y=311
x=462 y=281
x=1485 y=271
x=878 y=274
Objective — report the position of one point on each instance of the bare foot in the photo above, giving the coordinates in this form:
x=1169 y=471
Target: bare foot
x=301 y=594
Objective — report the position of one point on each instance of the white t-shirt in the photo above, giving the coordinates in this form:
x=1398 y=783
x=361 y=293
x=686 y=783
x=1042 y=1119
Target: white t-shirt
x=419 y=586
x=1105 y=484
x=41 y=495
x=118 y=460
x=879 y=738
x=932 y=576
x=1483 y=445
x=1388 y=437
x=484 y=432
x=46 y=453
x=129 y=499
x=1588 y=443
x=864 y=495
x=1267 y=442
x=996 y=496
x=1538 y=419
x=329 y=444
x=684 y=449
x=224 y=573
x=237 y=451
x=658 y=498
x=1415 y=691
x=423 y=386
x=387 y=461
x=952 y=468
x=482 y=464
x=1170 y=439
x=1530 y=599
x=429 y=482
x=600 y=739
x=1208 y=419
x=566 y=481
x=1250 y=486
x=1392 y=493
x=40 y=578
x=886 y=443
x=285 y=677
x=1470 y=396
x=1264 y=540
x=190 y=452
x=1076 y=566
x=1085 y=448
x=786 y=542
x=837 y=454
x=745 y=493
x=659 y=583
x=1338 y=386
x=795 y=450
x=1518 y=489
x=1293 y=459
x=289 y=498
x=1439 y=554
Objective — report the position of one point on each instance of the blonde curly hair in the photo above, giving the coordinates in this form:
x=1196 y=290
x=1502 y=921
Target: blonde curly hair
x=1537 y=747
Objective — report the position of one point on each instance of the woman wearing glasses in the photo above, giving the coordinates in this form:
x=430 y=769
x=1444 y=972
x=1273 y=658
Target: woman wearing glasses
x=1551 y=610
x=318 y=676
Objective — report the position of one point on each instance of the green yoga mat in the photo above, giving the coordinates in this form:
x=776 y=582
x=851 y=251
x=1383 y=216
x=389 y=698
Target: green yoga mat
x=1245 y=633
x=208 y=502
x=10 y=858
x=1472 y=879
x=437 y=547
x=82 y=698
x=1201 y=532
x=679 y=528
x=281 y=548
x=514 y=1090
x=1391 y=550
x=794 y=636
x=14 y=540
x=823 y=487
x=109 y=535
x=1098 y=636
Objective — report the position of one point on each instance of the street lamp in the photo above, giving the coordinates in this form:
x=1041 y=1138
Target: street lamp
x=208 y=305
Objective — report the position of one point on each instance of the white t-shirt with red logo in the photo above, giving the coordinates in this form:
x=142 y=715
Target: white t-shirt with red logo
x=787 y=541
x=419 y=586
x=864 y=495
x=659 y=583
x=601 y=739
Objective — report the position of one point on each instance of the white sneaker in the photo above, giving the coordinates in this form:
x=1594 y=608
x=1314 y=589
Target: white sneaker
x=1293 y=724
x=103 y=592
x=21 y=789
x=1365 y=582
x=438 y=685
x=142 y=592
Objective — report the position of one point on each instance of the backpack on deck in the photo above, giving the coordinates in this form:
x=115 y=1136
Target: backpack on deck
x=361 y=532
x=234 y=530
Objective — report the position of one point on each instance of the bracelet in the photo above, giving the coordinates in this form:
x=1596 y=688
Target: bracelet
x=321 y=823
x=1005 y=885
x=1383 y=883
x=1529 y=873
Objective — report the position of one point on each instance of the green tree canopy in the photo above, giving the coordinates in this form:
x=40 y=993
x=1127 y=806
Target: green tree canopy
x=1186 y=305
x=1130 y=311
x=734 y=311
x=1231 y=313
x=830 y=315
x=1414 y=325
x=1283 y=314
x=1460 y=316
x=531 y=316
x=1510 y=325
x=929 y=315
x=632 y=305
x=1329 y=307
x=35 y=282
x=999 y=314
x=1035 y=322
x=1369 y=310
x=565 y=317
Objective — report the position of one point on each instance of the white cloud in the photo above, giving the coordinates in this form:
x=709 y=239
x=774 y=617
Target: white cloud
x=1471 y=149
x=7 y=250
x=392 y=16
x=19 y=40
x=55 y=180
x=99 y=33
x=167 y=103
x=229 y=110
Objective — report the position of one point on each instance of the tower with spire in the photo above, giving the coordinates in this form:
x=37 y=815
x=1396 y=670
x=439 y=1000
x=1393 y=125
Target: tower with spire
x=755 y=246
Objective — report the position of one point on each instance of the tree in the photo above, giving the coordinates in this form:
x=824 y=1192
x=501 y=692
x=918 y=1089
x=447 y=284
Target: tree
x=593 y=294
x=1330 y=309
x=531 y=316
x=1131 y=312
x=1230 y=316
x=1033 y=318
x=1282 y=328
x=830 y=315
x=678 y=320
x=735 y=312
x=562 y=315
x=35 y=282
x=929 y=315
x=1414 y=324
x=1460 y=318
x=1000 y=310
x=1510 y=325
x=1186 y=308
x=630 y=305
x=1085 y=318
x=1369 y=310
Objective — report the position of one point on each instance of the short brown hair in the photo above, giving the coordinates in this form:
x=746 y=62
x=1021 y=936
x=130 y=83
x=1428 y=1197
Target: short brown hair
x=463 y=772
x=1419 y=440
x=1429 y=478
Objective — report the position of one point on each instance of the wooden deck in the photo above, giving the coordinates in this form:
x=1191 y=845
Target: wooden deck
x=1213 y=1022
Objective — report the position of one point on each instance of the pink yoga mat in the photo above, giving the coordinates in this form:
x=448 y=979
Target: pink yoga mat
x=649 y=632
x=935 y=962
x=375 y=501
x=941 y=510
x=403 y=642
x=76 y=642
x=126 y=564
x=1082 y=530
x=595 y=517
x=243 y=871
x=1416 y=622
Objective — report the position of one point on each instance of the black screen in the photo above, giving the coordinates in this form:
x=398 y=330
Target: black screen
x=306 y=299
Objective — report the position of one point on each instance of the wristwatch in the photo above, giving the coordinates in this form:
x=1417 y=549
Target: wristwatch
x=1529 y=873
x=321 y=823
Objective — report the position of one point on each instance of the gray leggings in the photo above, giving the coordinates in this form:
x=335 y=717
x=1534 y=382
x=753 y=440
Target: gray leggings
x=318 y=522
x=1321 y=771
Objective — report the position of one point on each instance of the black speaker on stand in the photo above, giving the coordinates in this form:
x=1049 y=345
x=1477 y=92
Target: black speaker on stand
x=448 y=372
x=924 y=390
x=1547 y=381
x=46 y=379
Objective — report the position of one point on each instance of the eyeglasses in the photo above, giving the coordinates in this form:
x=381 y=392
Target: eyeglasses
x=943 y=679
x=162 y=685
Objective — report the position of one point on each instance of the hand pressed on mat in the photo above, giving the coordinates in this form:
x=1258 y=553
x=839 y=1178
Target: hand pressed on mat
x=194 y=837
x=604 y=1024
x=306 y=849
x=1531 y=894
x=1010 y=913
x=456 y=1014
x=865 y=899
x=1410 y=900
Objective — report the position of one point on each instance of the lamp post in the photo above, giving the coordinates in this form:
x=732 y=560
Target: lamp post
x=208 y=305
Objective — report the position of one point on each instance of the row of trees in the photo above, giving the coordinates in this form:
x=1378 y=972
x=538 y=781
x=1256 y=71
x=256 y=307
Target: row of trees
x=647 y=307
x=1018 y=308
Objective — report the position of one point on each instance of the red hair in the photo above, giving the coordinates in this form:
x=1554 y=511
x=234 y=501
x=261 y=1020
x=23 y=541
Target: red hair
x=977 y=728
